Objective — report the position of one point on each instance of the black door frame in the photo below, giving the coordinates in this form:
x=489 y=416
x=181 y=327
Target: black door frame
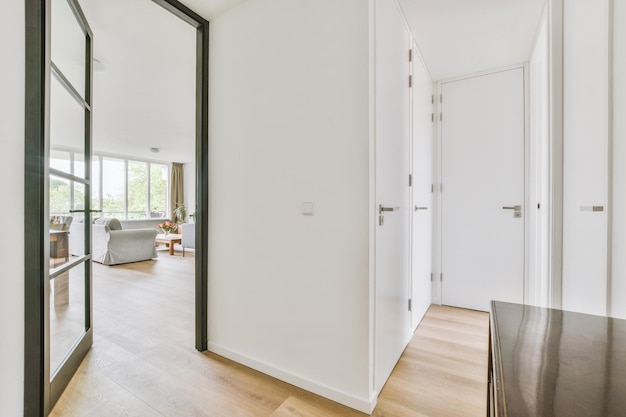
x=37 y=76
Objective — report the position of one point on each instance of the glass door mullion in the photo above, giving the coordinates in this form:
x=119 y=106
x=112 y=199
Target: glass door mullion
x=58 y=74
x=69 y=177
x=64 y=268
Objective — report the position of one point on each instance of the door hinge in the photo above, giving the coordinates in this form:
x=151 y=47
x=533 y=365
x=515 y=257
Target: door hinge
x=432 y=188
x=538 y=206
x=410 y=55
x=432 y=117
x=432 y=99
x=410 y=180
x=431 y=277
x=441 y=277
x=410 y=306
x=410 y=81
x=441 y=98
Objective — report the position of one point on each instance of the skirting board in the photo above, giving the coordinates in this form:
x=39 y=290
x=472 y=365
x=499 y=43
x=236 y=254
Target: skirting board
x=360 y=404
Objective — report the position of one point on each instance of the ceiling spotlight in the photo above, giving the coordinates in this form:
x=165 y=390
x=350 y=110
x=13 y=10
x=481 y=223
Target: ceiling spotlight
x=155 y=150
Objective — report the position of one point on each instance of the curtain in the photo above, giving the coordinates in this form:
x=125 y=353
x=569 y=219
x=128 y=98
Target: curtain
x=176 y=189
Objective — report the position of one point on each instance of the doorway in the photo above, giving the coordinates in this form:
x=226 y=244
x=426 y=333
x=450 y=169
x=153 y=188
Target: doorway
x=39 y=394
x=483 y=189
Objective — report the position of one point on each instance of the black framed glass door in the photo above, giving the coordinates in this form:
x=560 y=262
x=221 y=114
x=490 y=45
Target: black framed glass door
x=47 y=167
x=69 y=302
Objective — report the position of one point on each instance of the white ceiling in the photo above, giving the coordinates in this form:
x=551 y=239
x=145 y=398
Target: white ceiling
x=144 y=82
x=455 y=37
x=458 y=37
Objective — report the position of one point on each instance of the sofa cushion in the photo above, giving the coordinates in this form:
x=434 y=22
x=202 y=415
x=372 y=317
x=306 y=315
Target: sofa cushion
x=110 y=222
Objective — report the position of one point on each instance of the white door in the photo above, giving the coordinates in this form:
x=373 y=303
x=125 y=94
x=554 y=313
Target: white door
x=421 y=204
x=392 y=189
x=482 y=132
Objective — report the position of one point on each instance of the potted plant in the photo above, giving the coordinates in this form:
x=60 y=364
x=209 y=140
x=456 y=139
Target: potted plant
x=180 y=212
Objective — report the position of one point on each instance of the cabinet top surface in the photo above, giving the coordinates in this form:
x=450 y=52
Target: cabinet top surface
x=556 y=363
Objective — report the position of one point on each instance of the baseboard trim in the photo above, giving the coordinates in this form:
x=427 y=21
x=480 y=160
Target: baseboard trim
x=361 y=404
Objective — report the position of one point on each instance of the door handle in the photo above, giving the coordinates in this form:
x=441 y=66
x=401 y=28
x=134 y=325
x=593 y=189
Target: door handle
x=417 y=208
x=591 y=208
x=382 y=209
x=517 y=211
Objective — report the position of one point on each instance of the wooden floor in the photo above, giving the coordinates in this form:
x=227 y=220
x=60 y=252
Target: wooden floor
x=143 y=363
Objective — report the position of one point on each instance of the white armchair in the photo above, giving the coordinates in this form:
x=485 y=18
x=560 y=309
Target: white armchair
x=189 y=236
x=111 y=245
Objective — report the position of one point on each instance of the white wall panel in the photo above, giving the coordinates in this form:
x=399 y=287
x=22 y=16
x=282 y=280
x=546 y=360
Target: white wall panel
x=539 y=204
x=585 y=155
x=288 y=293
x=12 y=185
x=618 y=285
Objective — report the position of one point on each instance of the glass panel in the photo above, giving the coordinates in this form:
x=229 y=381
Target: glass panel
x=79 y=165
x=62 y=244
x=67 y=43
x=79 y=200
x=60 y=160
x=137 y=190
x=95 y=184
x=67 y=123
x=158 y=190
x=67 y=313
x=113 y=181
x=60 y=196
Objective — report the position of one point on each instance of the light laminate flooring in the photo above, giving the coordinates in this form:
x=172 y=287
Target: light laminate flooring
x=143 y=364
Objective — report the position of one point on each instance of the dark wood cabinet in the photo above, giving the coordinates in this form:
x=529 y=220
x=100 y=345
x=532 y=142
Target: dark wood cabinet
x=553 y=363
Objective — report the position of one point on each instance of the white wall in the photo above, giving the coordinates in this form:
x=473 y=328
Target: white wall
x=288 y=293
x=12 y=185
x=585 y=155
x=618 y=285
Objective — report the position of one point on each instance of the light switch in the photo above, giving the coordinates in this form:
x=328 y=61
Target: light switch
x=307 y=209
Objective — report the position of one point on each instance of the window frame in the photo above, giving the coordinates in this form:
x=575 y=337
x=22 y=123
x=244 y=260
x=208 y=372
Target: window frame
x=98 y=158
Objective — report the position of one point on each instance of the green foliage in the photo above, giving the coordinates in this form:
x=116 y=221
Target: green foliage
x=137 y=190
x=59 y=196
x=158 y=188
x=180 y=212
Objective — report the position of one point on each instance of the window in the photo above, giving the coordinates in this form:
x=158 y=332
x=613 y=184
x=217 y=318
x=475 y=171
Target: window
x=120 y=187
x=113 y=188
x=159 y=184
